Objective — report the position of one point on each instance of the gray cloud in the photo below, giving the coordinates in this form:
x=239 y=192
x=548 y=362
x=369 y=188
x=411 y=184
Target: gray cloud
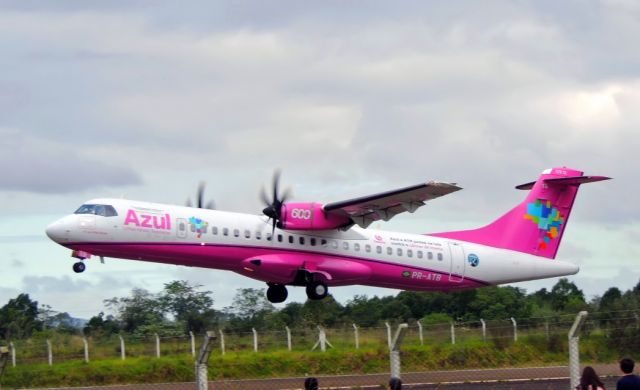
x=36 y=165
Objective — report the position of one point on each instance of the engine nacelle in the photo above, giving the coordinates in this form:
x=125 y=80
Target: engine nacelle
x=310 y=216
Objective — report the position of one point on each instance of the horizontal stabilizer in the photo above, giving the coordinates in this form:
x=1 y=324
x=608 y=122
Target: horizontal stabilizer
x=565 y=181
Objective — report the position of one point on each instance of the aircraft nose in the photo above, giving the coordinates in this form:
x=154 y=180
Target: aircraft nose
x=56 y=231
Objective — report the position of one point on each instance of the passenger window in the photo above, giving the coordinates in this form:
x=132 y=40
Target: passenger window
x=225 y=231
x=439 y=256
x=399 y=251
x=356 y=246
x=301 y=240
x=409 y=253
x=323 y=242
x=258 y=235
x=367 y=248
x=389 y=250
x=236 y=233
x=214 y=229
x=312 y=241
x=334 y=244
x=181 y=227
x=290 y=239
x=192 y=227
x=267 y=236
x=345 y=245
x=419 y=254
x=279 y=237
x=378 y=249
x=430 y=255
x=247 y=234
x=204 y=230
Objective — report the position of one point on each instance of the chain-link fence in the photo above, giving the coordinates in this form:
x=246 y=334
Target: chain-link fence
x=509 y=353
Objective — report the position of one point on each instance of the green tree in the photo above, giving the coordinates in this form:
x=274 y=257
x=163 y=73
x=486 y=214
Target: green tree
x=19 y=318
x=565 y=295
x=141 y=309
x=249 y=309
x=188 y=305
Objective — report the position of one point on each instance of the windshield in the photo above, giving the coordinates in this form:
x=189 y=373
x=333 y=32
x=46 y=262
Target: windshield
x=104 y=210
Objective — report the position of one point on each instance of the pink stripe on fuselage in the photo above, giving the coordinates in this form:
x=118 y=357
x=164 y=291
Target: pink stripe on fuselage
x=229 y=257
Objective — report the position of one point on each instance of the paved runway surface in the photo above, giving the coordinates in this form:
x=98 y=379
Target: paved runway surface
x=510 y=378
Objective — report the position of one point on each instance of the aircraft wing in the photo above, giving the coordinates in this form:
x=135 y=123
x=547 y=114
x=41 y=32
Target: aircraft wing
x=383 y=206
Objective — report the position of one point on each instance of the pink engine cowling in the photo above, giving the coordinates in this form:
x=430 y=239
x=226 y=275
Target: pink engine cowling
x=310 y=216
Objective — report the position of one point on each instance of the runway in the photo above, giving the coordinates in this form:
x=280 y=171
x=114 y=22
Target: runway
x=555 y=377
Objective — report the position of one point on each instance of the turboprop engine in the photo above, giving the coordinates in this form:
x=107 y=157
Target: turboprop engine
x=309 y=216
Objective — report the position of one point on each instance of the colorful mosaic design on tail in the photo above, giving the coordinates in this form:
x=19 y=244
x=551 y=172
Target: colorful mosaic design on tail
x=199 y=225
x=547 y=218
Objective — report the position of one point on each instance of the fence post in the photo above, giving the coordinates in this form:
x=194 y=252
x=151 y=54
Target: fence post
x=255 y=339
x=157 y=345
x=49 y=352
x=193 y=343
x=388 y=334
x=394 y=354
x=123 y=354
x=574 y=349
x=288 y=338
x=13 y=354
x=420 y=333
x=202 y=380
x=515 y=329
x=546 y=329
x=86 y=349
x=4 y=357
x=484 y=330
x=322 y=340
x=453 y=333
x=355 y=335
x=221 y=342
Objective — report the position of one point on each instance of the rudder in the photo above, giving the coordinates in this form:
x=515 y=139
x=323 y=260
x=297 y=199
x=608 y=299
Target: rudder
x=536 y=225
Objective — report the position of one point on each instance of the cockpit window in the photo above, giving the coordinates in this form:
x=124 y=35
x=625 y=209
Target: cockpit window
x=104 y=210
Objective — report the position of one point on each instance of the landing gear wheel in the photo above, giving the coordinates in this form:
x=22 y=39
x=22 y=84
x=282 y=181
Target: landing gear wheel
x=317 y=290
x=79 y=267
x=277 y=293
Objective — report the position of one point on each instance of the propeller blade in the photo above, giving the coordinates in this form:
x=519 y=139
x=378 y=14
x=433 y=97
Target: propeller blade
x=200 y=194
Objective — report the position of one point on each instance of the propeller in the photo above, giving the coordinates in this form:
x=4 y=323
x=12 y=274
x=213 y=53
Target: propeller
x=200 y=199
x=274 y=205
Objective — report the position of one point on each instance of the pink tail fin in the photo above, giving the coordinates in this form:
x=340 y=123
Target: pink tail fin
x=536 y=225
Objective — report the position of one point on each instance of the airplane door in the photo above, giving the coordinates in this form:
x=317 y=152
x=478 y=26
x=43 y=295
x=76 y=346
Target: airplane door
x=456 y=274
x=181 y=228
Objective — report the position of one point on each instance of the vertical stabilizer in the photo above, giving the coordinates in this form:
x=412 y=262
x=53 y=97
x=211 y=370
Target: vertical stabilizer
x=536 y=225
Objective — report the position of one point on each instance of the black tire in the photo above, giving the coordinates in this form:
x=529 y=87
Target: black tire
x=277 y=293
x=317 y=290
x=79 y=267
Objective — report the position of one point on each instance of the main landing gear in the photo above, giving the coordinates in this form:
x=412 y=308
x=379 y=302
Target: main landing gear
x=316 y=290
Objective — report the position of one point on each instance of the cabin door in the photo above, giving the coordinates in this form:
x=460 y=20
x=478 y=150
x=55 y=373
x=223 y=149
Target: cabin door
x=181 y=228
x=456 y=273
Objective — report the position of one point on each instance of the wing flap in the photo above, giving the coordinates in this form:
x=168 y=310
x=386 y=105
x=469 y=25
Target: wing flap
x=383 y=206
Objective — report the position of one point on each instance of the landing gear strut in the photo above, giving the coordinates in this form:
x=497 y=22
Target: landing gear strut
x=277 y=293
x=79 y=267
x=317 y=290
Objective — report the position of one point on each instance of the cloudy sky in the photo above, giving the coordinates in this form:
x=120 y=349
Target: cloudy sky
x=144 y=99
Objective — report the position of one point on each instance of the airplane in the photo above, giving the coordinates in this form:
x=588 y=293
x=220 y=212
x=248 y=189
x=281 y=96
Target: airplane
x=318 y=246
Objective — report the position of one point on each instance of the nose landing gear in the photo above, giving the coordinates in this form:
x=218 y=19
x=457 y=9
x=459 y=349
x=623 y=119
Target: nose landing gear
x=79 y=267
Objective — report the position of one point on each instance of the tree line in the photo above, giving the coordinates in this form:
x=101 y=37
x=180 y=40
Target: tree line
x=182 y=307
